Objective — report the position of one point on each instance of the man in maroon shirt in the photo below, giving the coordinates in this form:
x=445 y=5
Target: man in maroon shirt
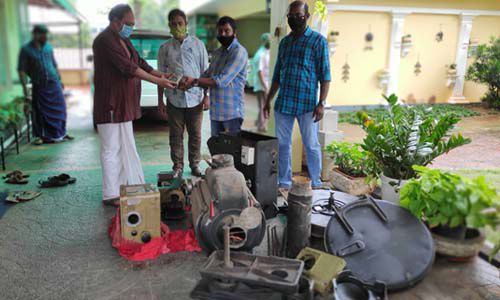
x=118 y=71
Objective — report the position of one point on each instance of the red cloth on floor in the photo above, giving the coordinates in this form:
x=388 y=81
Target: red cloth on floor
x=169 y=242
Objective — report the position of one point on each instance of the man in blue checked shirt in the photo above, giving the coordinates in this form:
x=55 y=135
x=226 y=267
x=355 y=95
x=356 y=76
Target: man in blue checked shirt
x=302 y=63
x=226 y=78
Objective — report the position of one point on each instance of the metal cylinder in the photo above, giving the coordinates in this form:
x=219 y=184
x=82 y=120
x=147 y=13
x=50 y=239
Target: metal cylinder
x=227 y=251
x=299 y=215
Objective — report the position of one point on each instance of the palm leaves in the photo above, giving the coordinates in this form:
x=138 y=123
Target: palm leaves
x=408 y=137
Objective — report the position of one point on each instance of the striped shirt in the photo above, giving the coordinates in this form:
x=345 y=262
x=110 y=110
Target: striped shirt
x=229 y=70
x=187 y=59
x=302 y=63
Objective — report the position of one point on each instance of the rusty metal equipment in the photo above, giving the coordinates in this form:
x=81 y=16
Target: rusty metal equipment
x=173 y=199
x=256 y=156
x=369 y=235
x=140 y=212
x=223 y=199
x=321 y=267
x=299 y=215
x=280 y=274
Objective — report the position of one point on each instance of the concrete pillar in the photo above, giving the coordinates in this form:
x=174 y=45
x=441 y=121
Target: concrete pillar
x=397 y=30
x=461 y=58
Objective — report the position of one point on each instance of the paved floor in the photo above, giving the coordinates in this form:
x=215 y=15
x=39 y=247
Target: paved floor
x=57 y=247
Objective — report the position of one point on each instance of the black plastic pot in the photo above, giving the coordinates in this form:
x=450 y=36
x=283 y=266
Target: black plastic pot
x=456 y=233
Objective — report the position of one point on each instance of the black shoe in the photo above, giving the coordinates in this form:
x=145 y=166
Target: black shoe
x=195 y=171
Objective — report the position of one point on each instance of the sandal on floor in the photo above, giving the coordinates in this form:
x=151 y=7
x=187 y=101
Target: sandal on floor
x=111 y=202
x=21 y=196
x=53 y=181
x=38 y=142
x=16 y=178
x=15 y=172
x=66 y=177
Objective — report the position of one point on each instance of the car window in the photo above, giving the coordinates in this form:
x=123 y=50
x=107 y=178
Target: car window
x=148 y=47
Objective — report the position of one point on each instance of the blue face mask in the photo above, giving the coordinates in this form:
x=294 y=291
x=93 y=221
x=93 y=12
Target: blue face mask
x=126 y=31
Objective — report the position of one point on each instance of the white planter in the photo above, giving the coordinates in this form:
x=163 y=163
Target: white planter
x=390 y=188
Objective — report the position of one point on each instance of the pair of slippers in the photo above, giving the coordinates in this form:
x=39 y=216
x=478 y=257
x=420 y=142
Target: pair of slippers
x=57 y=181
x=39 y=141
x=16 y=177
x=21 y=196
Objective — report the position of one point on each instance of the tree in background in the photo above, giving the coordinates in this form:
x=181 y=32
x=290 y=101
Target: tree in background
x=152 y=14
x=486 y=70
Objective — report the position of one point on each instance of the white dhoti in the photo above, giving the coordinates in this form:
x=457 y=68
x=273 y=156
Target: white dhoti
x=119 y=159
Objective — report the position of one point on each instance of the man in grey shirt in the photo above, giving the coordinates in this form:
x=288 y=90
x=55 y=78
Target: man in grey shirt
x=183 y=55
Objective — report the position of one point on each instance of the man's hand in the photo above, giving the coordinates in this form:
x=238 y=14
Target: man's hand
x=167 y=84
x=206 y=102
x=318 y=113
x=186 y=83
x=167 y=75
x=267 y=109
x=162 y=108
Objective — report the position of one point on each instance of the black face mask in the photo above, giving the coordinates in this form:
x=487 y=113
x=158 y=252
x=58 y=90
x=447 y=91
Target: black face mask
x=267 y=45
x=225 y=40
x=296 y=24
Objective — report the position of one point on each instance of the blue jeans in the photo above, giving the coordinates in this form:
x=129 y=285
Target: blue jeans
x=229 y=126
x=309 y=132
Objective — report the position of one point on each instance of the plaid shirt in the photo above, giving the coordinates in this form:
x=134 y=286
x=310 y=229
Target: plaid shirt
x=302 y=63
x=229 y=70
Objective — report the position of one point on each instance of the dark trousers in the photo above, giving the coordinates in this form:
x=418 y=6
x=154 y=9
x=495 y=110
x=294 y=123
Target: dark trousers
x=191 y=119
x=229 y=126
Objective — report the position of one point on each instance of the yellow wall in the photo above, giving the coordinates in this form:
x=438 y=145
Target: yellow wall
x=237 y=9
x=453 y=4
x=74 y=77
x=483 y=28
x=249 y=32
x=362 y=86
x=434 y=56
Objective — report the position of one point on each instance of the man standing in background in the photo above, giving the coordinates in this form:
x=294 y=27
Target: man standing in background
x=118 y=71
x=303 y=62
x=37 y=62
x=183 y=55
x=260 y=70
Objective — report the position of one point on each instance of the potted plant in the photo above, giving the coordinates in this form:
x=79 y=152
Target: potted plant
x=355 y=169
x=407 y=136
x=455 y=208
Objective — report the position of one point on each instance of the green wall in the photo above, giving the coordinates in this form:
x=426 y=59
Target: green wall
x=249 y=32
x=14 y=32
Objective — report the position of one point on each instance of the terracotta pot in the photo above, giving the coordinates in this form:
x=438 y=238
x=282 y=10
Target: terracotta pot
x=390 y=188
x=460 y=250
x=352 y=185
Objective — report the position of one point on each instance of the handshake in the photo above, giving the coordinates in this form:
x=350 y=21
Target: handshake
x=174 y=81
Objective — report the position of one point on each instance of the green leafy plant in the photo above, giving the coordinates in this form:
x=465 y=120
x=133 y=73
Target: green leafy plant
x=408 y=137
x=12 y=112
x=486 y=69
x=443 y=198
x=320 y=9
x=438 y=110
x=352 y=160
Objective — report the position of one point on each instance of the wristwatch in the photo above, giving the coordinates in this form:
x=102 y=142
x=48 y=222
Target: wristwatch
x=196 y=82
x=322 y=102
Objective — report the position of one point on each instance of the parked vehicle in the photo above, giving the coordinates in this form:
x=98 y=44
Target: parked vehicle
x=147 y=43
